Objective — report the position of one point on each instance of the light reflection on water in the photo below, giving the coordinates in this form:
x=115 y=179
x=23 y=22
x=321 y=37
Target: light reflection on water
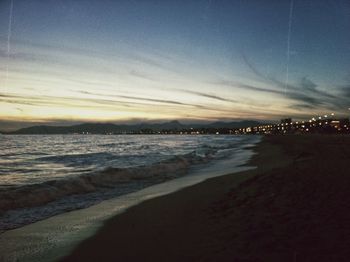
x=28 y=159
x=42 y=176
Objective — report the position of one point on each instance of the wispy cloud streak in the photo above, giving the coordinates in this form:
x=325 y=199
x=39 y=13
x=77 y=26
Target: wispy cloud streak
x=215 y=97
x=304 y=93
x=135 y=98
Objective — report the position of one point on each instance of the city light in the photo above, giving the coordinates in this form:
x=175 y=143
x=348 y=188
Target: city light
x=319 y=124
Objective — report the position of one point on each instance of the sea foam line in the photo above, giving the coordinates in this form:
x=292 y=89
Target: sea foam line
x=54 y=238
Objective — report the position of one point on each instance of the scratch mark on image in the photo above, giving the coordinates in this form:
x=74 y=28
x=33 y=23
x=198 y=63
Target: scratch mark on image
x=288 y=43
x=9 y=32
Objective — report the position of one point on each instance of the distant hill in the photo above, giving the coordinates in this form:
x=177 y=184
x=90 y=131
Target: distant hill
x=239 y=124
x=105 y=128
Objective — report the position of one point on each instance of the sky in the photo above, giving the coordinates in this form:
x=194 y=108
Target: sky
x=65 y=61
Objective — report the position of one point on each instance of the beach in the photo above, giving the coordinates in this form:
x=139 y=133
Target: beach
x=56 y=236
x=293 y=207
x=174 y=131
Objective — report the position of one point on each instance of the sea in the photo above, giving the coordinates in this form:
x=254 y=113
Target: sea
x=45 y=175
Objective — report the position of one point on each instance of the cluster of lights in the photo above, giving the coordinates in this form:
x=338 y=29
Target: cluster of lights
x=323 y=121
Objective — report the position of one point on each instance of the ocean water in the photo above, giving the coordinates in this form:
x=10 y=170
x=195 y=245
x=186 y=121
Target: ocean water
x=42 y=176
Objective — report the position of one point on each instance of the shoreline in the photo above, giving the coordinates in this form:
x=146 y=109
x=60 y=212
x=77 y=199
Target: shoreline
x=293 y=207
x=60 y=181
x=53 y=238
x=262 y=151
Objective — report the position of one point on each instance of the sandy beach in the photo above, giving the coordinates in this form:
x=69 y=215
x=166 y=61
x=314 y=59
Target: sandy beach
x=293 y=207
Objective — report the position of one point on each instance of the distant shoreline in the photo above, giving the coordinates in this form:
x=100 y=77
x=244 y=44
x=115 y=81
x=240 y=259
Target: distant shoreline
x=320 y=125
x=171 y=127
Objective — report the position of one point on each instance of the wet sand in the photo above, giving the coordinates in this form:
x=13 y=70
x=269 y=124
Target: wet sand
x=294 y=207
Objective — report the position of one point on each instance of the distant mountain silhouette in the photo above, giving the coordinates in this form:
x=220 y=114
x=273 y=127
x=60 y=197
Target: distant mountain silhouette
x=105 y=128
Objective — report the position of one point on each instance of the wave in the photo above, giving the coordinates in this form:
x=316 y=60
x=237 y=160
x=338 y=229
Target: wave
x=220 y=146
x=3 y=170
x=73 y=157
x=21 y=154
x=43 y=193
x=119 y=144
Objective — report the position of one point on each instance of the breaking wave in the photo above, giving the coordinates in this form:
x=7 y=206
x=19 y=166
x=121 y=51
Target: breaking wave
x=42 y=176
x=40 y=194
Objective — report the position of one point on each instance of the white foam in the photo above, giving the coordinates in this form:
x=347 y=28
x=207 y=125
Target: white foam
x=53 y=238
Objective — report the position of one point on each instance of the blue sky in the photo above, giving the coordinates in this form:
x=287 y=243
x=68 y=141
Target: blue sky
x=187 y=60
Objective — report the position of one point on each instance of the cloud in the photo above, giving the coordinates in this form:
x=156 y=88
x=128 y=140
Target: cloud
x=344 y=101
x=60 y=101
x=253 y=68
x=23 y=56
x=305 y=94
x=18 y=102
x=215 y=97
x=164 y=101
x=246 y=86
x=345 y=91
x=54 y=54
x=97 y=103
x=308 y=101
x=308 y=84
x=302 y=106
x=305 y=99
x=141 y=75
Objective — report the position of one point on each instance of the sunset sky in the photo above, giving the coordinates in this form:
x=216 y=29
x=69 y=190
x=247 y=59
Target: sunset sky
x=196 y=60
